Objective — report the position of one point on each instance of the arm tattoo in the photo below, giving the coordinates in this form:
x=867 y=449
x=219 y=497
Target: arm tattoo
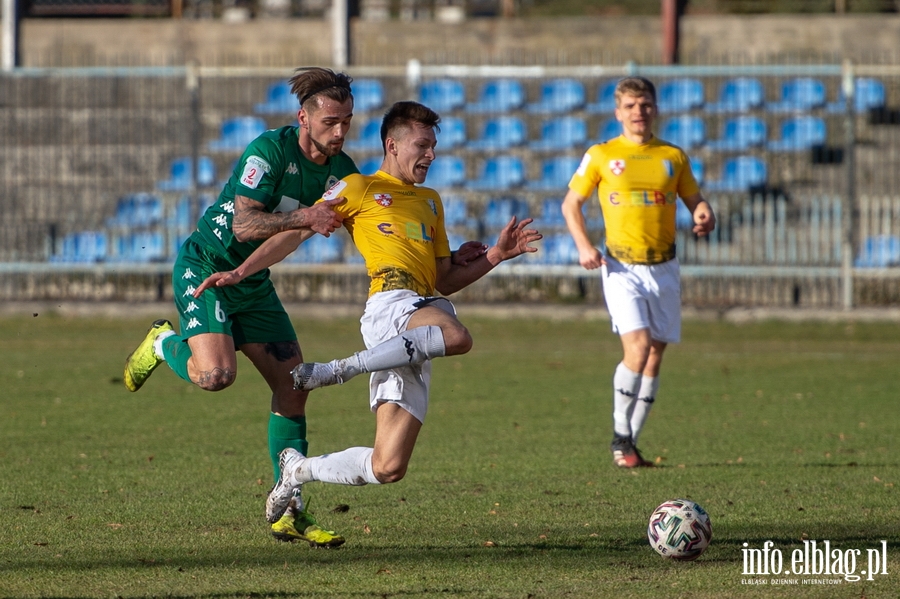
x=251 y=222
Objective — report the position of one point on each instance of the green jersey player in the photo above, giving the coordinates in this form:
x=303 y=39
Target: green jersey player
x=273 y=188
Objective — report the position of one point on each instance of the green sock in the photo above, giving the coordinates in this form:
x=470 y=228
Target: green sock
x=176 y=353
x=283 y=433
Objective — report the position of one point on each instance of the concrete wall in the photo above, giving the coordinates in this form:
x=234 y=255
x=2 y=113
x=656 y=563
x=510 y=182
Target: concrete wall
x=588 y=40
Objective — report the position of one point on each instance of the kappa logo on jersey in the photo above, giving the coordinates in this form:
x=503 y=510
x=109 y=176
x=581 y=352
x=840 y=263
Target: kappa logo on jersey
x=334 y=190
x=384 y=199
x=192 y=323
x=188 y=274
x=617 y=166
x=191 y=307
x=254 y=169
x=292 y=169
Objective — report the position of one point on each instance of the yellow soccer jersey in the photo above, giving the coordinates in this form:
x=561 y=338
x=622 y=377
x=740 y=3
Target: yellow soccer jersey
x=637 y=185
x=398 y=229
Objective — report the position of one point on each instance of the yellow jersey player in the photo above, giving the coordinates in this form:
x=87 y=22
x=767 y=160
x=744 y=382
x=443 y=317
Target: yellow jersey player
x=398 y=227
x=638 y=179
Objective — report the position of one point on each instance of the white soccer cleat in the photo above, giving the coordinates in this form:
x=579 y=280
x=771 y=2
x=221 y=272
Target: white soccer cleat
x=312 y=375
x=283 y=492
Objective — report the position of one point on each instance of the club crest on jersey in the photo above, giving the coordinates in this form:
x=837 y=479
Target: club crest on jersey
x=667 y=165
x=384 y=199
x=433 y=206
x=617 y=166
x=334 y=190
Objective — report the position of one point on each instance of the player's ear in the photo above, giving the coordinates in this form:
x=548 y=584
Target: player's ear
x=302 y=118
x=390 y=144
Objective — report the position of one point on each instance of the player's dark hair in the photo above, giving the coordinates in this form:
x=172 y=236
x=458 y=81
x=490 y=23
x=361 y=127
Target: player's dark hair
x=635 y=86
x=403 y=115
x=310 y=82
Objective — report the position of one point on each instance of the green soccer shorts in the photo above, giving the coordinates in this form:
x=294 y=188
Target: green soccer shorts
x=249 y=312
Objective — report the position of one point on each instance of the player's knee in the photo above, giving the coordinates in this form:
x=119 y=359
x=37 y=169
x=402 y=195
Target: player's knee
x=390 y=473
x=457 y=340
x=215 y=379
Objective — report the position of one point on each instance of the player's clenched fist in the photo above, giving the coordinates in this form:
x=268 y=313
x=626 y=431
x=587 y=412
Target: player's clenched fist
x=321 y=218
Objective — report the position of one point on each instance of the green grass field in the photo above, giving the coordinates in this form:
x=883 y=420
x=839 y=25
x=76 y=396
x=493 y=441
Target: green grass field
x=783 y=432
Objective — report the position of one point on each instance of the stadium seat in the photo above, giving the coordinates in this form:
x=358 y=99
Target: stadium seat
x=561 y=133
x=369 y=139
x=498 y=95
x=499 y=210
x=740 y=134
x=801 y=94
x=799 y=133
x=680 y=95
x=84 y=247
x=370 y=165
x=741 y=173
x=879 y=251
x=698 y=169
x=868 y=94
x=500 y=133
x=452 y=133
x=606 y=99
x=446 y=171
x=180 y=174
x=683 y=218
x=557 y=249
x=456 y=213
x=499 y=173
x=237 y=132
x=740 y=94
x=137 y=210
x=442 y=95
x=609 y=129
x=558 y=96
x=685 y=131
x=556 y=173
x=279 y=100
x=142 y=246
x=182 y=218
x=368 y=94
x=319 y=249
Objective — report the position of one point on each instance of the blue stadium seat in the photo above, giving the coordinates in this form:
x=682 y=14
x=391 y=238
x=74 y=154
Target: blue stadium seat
x=561 y=133
x=237 y=132
x=181 y=217
x=868 y=94
x=741 y=173
x=680 y=95
x=500 y=133
x=180 y=174
x=142 y=246
x=84 y=247
x=369 y=138
x=609 y=129
x=499 y=210
x=879 y=251
x=698 y=169
x=456 y=213
x=442 y=95
x=498 y=95
x=740 y=134
x=137 y=210
x=683 y=218
x=499 y=173
x=279 y=100
x=801 y=94
x=551 y=214
x=368 y=94
x=452 y=133
x=799 y=133
x=319 y=249
x=685 y=131
x=557 y=249
x=446 y=171
x=741 y=94
x=369 y=166
x=556 y=173
x=606 y=99
x=558 y=96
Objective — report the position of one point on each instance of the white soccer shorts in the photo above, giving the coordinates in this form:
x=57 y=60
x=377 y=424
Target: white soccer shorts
x=641 y=296
x=387 y=315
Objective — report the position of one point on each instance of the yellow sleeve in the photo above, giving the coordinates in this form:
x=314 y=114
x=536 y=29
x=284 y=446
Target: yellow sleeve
x=587 y=177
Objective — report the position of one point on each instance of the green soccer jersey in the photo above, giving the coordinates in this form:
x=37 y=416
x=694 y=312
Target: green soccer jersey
x=274 y=172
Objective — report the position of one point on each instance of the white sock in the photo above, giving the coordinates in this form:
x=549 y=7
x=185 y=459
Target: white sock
x=352 y=466
x=625 y=389
x=646 y=397
x=157 y=344
x=414 y=346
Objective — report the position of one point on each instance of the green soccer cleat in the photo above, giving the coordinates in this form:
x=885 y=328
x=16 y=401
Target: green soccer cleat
x=143 y=361
x=289 y=527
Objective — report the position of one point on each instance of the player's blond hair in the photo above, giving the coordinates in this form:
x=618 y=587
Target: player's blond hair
x=308 y=83
x=635 y=86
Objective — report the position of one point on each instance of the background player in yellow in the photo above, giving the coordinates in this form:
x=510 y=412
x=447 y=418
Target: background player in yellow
x=638 y=179
x=398 y=226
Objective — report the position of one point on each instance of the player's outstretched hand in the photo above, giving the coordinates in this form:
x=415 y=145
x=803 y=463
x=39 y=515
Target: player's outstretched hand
x=514 y=239
x=321 y=217
x=704 y=219
x=218 y=279
x=467 y=252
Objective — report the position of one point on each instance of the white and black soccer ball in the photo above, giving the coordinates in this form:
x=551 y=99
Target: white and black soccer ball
x=679 y=529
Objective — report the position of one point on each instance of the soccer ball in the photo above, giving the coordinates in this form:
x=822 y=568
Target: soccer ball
x=679 y=529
